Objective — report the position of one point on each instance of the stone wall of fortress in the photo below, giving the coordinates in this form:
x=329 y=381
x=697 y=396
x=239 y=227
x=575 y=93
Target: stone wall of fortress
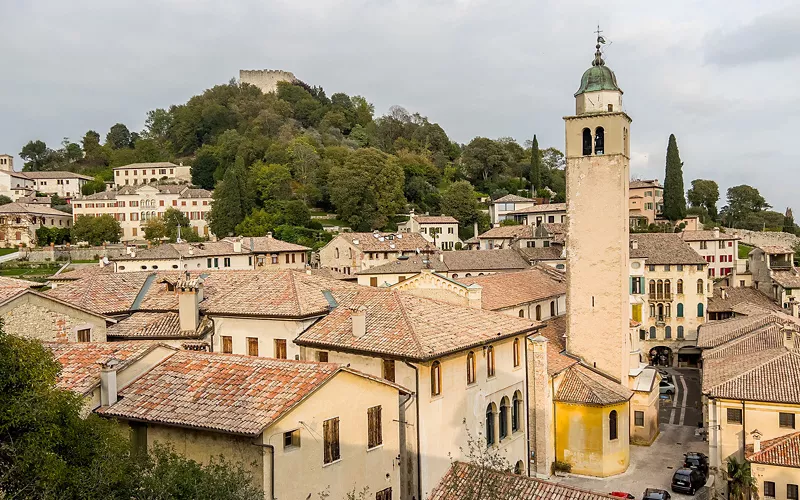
x=265 y=79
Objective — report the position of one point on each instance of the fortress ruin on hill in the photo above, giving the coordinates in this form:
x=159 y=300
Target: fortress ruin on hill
x=265 y=79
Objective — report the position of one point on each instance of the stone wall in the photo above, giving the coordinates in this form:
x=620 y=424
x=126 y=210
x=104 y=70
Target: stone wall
x=265 y=79
x=64 y=253
x=759 y=238
x=42 y=323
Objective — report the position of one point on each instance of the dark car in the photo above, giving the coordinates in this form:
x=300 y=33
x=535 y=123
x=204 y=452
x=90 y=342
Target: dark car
x=696 y=460
x=654 y=494
x=688 y=481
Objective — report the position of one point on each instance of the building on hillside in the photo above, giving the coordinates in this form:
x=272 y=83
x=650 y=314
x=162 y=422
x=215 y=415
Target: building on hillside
x=147 y=173
x=36 y=200
x=455 y=265
x=670 y=297
x=19 y=222
x=349 y=253
x=441 y=230
x=230 y=253
x=774 y=274
x=500 y=208
x=645 y=202
x=65 y=185
x=134 y=205
x=471 y=383
x=540 y=214
x=523 y=236
x=15 y=184
x=720 y=250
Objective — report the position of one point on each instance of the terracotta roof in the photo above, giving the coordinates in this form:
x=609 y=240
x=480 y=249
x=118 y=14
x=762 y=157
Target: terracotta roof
x=787 y=279
x=546 y=208
x=104 y=293
x=383 y=242
x=6 y=282
x=764 y=338
x=73 y=274
x=57 y=174
x=465 y=480
x=269 y=244
x=738 y=295
x=503 y=290
x=664 y=248
x=555 y=330
x=195 y=193
x=775 y=249
x=33 y=209
x=409 y=327
x=222 y=392
x=155 y=164
x=769 y=376
x=326 y=272
x=583 y=385
x=636 y=184
x=508 y=232
x=554 y=227
x=435 y=219
x=153 y=325
x=553 y=252
x=688 y=235
x=35 y=200
x=455 y=261
x=512 y=198
x=783 y=451
x=80 y=371
x=102 y=195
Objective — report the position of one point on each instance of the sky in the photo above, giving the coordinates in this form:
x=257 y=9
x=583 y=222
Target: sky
x=720 y=75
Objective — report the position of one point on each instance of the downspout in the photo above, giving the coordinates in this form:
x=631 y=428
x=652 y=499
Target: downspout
x=419 y=454
x=528 y=405
x=272 y=471
x=744 y=433
x=555 y=420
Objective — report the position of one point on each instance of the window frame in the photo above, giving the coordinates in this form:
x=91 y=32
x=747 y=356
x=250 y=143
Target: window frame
x=638 y=416
x=736 y=413
x=331 y=448
x=84 y=333
x=516 y=353
x=294 y=440
x=471 y=368
x=374 y=427
x=769 y=489
x=613 y=425
x=227 y=344
x=436 y=379
x=786 y=420
x=490 y=366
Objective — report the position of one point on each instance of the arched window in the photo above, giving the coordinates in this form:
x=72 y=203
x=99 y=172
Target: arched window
x=679 y=286
x=522 y=313
x=516 y=355
x=652 y=287
x=468 y=275
x=660 y=288
x=455 y=276
x=587 y=142
x=504 y=404
x=471 y=368
x=660 y=309
x=668 y=332
x=700 y=310
x=552 y=308
x=518 y=467
x=599 y=141
x=538 y=312
x=436 y=378
x=516 y=412
x=680 y=310
x=490 y=361
x=699 y=286
x=610 y=108
x=612 y=425
x=652 y=332
x=490 y=411
x=667 y=288
x=680 y=332
x=652 y=310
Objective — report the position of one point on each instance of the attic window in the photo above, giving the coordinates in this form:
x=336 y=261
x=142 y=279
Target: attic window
x=170 y=287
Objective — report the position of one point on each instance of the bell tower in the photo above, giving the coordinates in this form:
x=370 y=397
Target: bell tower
x=598 y=175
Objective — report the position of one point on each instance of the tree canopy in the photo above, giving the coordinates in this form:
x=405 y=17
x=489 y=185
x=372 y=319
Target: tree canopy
x=674 y=197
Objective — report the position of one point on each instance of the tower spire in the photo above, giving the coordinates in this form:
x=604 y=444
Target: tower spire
x=598 y=56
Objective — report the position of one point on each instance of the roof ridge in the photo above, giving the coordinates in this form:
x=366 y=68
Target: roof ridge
x=776 y=442
x=752 y=369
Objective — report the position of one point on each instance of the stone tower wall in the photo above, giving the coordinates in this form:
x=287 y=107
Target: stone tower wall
x=265 y=79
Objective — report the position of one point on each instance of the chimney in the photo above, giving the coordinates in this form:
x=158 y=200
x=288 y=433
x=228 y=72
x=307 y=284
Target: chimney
x=716 y=233
x=358 y=315
x=441 y=257
x=474 y=293
x=788 y=336
x=237 y=245
x=108 y=381
x=723 y=292
x=190 y=294
x=756 y=440
x=269 y=234
x=541 y=408
x=475 y=228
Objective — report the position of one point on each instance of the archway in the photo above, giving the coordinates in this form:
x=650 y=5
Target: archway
x=661 y=356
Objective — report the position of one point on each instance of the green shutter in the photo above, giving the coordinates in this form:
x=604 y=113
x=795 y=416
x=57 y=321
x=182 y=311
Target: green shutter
x=630 y=285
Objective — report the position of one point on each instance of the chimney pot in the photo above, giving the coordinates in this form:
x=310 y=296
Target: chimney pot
x=269 y=234
x=716 y=232
x=358 y=316
x=108 y=381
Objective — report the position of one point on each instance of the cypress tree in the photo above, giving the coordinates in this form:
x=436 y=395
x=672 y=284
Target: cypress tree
x=536 y=167
x=233 y=200
x=674 y=197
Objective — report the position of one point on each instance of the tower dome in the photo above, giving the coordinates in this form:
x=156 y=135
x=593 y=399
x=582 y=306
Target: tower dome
x=598 y=77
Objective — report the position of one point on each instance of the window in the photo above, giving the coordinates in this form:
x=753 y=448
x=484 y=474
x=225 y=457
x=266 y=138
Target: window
x=638 y=418
x=490 y=411
x=471 y=367
x=679 y=287
x=280 y=348
x=274 y=258
x=330 y=440
x=504 y=418
x=651 y=268
x=680 y=267
x=552 y=308
x=791 y=492
x=322 y=356
x=636 y=285
x=700 y=310
x=521 y=313
x=516 y=355
x=703 y=245
x=287 y=258
x=227 y=345
x=374 y=428
x=769 y=489
x=291 y=439
x=700 y=286
x=547 y=243
x=518 y=467
x=612 y=425
x=490 y=361
x=388 y=370
x=680 y=310
x=252 y=346
x=599 y=141
x=680 y=332
x=652 y=332
x=786 y=420
x=538 y=312
x=85 y=335
x=384 y=494
x=587 y=142
x=226 y=262
x=436 y=378
x=734 y=416
x=668 y=332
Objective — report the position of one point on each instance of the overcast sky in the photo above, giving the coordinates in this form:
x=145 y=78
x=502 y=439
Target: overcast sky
x=723 y=76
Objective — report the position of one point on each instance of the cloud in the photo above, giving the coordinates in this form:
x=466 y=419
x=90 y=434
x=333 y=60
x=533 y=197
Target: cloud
x=772 y=37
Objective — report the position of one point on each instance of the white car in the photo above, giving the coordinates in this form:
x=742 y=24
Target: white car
x=666 y=387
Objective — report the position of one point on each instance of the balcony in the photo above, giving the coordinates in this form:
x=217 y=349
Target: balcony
x=660 y=296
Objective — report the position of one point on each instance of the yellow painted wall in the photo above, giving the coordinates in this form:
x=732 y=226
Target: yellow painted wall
x=761 y=416
x=649 y=404
x=781 y=476
x=582 y=439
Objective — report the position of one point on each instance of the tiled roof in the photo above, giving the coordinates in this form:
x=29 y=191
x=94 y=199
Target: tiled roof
x=151 y=325
x=155 y=164
x=33 y=209
x=105 y=293
x=35 y=200
x=512 y=198
x=102 y=195
x=664 y=248
x=222 y=392
x=689 y=235
x=57 y=174
x=555 y=330
x=6 y=282
x=775 y=249
x=465 y=480
x=783 y=451
x=583 y=385
x=546 y=208
x=326 y=272
x=455 y=261
x=80 y=371
x=503 y=290
x=775 y=379
x=738 y=295
x=508 y=232
x=410 y=265
x=553 y=252
x=764 y=338
x=636 y=184
x=716 y=333
x=170 y=188
x=81 y=272
x=435 y=219
x=787 y=279
x=195 y=193
x=409 y=327
x=383 y=242
x=268 y=244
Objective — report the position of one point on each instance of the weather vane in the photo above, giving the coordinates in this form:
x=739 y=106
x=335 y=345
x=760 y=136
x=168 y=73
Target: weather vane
x=600 y=38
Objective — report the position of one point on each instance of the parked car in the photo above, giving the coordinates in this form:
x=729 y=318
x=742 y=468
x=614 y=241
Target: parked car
x=665 y=387
x=622 y=494
x=655 y=494
x=688 y=480
x=696 y=460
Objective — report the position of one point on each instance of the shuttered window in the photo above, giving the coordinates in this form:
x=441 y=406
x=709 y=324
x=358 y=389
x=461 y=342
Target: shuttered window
x=322 y=356
x=388 y=369
x=280 y=348
x=786 y=420
x=384 y=494
x=252 y=346
x=227 y=344
x=374 y=427
x=734 y=416
x=330 y=430
x=85 y=335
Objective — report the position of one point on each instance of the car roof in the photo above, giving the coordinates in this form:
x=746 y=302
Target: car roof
x=695 y=454
x=685 y=470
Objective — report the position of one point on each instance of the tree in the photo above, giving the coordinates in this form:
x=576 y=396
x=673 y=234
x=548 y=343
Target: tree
x=674 y=197
x=272 y=182
x=788 y=222
x=484 y=159
x=741 y=483
x=704 y=193
x=460 y=201
x=742 y=201
x=37 y=156
x=233 y=200
x=536 y=165
x=93 y=186
x=96 y=230
x=154 y=229
x=172 y=219
x=119 y=137
x=5 y=200
x=204 y=166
